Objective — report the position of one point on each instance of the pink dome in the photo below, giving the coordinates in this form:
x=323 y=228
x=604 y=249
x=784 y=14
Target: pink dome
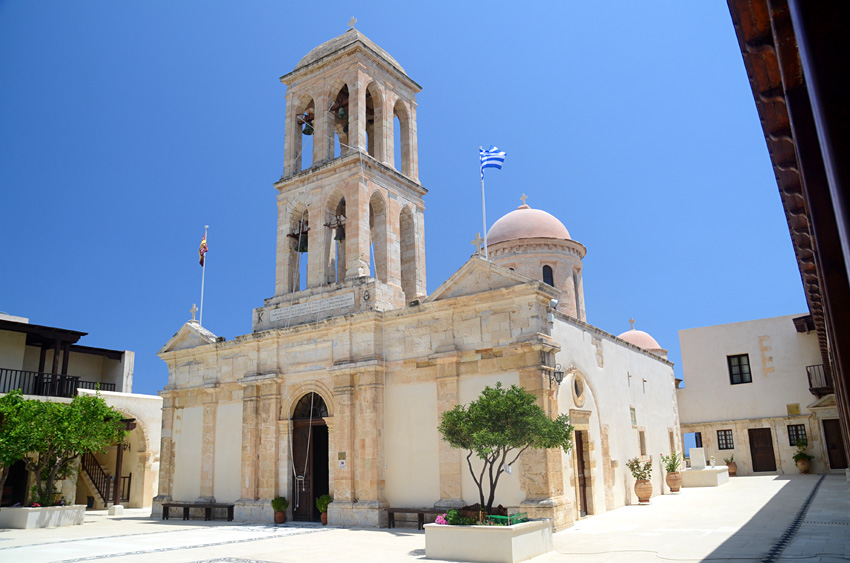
x=525 y=222
x=640 y=339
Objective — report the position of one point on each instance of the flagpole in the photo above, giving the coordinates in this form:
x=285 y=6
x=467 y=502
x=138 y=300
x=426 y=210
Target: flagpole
x=483 y=210
x=203 y=273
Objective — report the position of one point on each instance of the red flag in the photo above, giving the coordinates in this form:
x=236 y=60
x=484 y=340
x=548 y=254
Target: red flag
x=203 y=249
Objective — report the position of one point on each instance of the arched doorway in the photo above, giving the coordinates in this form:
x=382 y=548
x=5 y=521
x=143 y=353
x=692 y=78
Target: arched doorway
x=309 y=456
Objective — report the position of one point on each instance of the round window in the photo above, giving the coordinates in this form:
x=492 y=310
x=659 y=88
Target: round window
x=578 y=390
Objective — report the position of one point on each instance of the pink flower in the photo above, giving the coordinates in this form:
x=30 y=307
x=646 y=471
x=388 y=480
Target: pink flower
x=441 y=519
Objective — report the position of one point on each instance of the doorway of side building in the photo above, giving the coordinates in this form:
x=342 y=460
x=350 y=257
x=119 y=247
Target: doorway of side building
x=834 y=446
x=582 y=468
x=761 y=449
x=309 y=456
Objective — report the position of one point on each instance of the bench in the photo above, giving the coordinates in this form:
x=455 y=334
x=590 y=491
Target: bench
x=207 y=506
x=420 y=512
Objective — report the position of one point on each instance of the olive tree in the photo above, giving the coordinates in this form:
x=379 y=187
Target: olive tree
x=498 y=427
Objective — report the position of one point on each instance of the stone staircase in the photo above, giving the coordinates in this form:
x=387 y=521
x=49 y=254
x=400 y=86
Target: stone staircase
x=94 y=477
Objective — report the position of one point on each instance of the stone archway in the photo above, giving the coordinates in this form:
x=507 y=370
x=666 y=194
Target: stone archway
x=310 y=443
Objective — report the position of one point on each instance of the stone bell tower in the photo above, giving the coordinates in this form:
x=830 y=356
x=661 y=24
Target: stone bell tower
x=350 y=233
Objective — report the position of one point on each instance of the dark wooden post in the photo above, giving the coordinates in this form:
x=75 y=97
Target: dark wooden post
x=54 y=381
x=129 y=424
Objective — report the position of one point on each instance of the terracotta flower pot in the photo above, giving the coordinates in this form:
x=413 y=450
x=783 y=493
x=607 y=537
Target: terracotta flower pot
x=324 y=518
x=643 y=490
x=733 y=468
x=674 y=481
x=804 y=465
x=279 y=517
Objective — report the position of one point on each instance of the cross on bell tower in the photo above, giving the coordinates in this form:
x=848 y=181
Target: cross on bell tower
x=347 y=210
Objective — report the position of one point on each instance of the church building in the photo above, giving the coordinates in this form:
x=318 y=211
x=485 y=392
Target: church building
x=341 y=384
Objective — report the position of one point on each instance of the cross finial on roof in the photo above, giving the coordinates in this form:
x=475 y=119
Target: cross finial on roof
x=193 y=310
x=351 y=22
x=632 y=322
x=523 y=198
x=478 y=241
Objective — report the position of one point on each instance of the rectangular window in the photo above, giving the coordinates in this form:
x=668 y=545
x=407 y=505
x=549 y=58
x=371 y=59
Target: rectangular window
x=633 y=415
x=698 y=439
x=642 y=439
x=724 y=440
x=796 y=432
x=739 y=369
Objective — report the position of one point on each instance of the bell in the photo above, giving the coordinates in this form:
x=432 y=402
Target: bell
x=308 y=129
x=340 y=233
x=301 y=246
x=342 y=113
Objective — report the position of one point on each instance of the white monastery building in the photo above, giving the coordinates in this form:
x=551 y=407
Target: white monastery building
x=753 y=388
x=341 y=384
x=47 y=363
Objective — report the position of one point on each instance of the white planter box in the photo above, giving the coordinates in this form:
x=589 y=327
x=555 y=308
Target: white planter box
x=42 y=517
x=496 y=544
x=707 y=477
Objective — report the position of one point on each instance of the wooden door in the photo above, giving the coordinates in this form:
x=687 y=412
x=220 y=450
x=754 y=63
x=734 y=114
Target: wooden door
x=761 y=449
x=834 y=444
x=582 y=480
x=303 y=507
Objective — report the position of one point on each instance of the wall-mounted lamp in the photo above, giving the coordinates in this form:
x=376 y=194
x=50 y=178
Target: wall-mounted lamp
x=556 y=375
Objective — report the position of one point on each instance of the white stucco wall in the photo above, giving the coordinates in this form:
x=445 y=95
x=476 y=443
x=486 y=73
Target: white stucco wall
x=778 y=358
x=411 y=443
x=186 y=435
x=12 y=345
x=228 y=460
x=605 y=363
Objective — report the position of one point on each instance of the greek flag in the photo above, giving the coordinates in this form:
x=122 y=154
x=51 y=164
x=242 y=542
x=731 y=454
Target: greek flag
x=491 y=158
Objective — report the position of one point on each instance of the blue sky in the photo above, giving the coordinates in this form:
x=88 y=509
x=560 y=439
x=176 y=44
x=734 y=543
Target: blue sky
x=126 y=127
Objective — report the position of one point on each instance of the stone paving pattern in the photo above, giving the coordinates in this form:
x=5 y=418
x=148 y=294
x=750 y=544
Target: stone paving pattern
x=740 y=521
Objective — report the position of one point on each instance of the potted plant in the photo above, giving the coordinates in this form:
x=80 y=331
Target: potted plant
x=279 y=505
x=322 y=505
x=730 y=463
x=641 y=472
x=801 y=458
x=672 y=463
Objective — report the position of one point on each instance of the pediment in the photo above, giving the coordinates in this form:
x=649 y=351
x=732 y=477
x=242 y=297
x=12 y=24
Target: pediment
x=825 y=402
x=190 y=335
x=477 y=276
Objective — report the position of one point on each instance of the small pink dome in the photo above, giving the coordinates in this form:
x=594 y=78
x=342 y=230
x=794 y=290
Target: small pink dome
x=525 y=222
x=640 y=339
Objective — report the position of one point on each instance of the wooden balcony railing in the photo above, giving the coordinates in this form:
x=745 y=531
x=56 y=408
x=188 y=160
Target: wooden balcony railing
x=820 y=383
x=46 y=384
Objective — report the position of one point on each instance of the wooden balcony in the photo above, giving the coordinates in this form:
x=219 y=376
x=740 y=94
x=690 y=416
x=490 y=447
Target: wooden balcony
x=46 y=384
x=820 y=382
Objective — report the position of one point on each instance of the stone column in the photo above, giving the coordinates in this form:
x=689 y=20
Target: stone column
x=356 y=110
x=268 y=446
x=412 y=143
x=369 y=461
x=292 y=139
x=283 y=282
x=208 y=447
x=166 y=455
x=318 y=236
x=323 y=136
x=419 y=230
x=250 y=446
x=357 y=236
x=332 y=457
x=284 y=474
x=388 y=132
x=542 y=472
x=451 y=459
x=341 y=510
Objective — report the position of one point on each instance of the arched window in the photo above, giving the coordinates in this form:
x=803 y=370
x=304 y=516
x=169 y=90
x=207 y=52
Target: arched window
x=548 y=277
x=378 y=232
x=401 y=136
x=310 y=405
x=339 y=121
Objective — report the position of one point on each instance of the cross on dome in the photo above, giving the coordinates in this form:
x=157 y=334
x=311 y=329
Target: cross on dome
x=351 y=22
x=193 y=310
x=523 y=198
x=478 y=241
x=632 y=323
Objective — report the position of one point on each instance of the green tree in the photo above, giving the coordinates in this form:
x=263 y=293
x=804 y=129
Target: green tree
x=502 y=423
x=13 y=442
x=58 y=433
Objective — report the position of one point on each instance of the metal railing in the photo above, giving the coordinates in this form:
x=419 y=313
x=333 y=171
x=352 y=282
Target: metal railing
x=46 y=384
x=125 y=487
x=97 y=476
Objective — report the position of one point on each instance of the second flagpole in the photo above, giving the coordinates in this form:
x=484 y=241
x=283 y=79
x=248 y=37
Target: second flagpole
x=203 y=273
x=483 y=210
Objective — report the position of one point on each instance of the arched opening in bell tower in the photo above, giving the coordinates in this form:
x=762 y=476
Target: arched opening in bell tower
x=298 y=237
x=335 y=265
x=401 y=138
x=374 y=121
x=339 y=118
x=378 y=234
x=306 y=122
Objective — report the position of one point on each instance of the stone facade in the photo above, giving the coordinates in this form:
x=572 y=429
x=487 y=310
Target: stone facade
x=381 y=357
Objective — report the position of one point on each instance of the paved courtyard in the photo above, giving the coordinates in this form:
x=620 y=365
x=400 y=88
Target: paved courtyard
x=745 y=520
